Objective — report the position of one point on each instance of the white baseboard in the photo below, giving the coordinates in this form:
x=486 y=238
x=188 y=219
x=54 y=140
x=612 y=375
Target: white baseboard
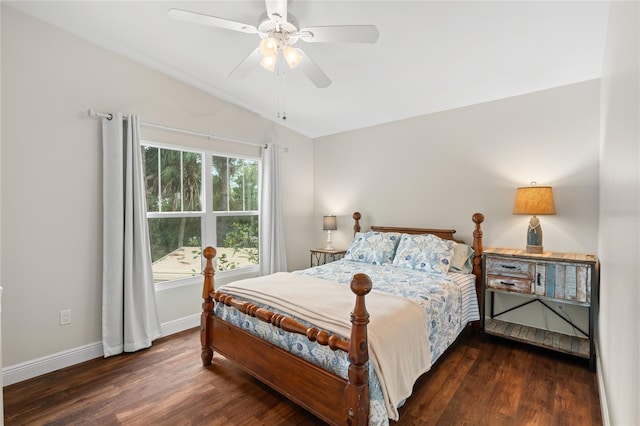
x=604 y=408
x=181 y=324
x=37 y=367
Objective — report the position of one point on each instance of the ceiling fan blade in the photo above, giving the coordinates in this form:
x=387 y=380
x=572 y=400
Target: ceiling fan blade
x=212 y=21
x=313 y=71
x=340 y=33
x=277 y=10
x=247 y=65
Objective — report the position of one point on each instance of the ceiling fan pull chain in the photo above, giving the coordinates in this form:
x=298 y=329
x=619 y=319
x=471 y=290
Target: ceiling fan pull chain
x=278 y=91
x=284 y=97
x=282 y=113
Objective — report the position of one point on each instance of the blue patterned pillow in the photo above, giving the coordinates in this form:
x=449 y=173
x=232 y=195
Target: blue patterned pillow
x=424 y=253
x=377 y=248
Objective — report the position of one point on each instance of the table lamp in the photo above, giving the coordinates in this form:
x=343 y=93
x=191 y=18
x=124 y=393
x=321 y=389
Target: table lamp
x=534 y=200
x=329 y=224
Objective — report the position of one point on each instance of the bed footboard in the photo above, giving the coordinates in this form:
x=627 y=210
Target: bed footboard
x=334 y=399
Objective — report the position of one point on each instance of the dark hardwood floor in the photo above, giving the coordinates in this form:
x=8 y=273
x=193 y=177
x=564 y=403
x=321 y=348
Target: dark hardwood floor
x=492 y=382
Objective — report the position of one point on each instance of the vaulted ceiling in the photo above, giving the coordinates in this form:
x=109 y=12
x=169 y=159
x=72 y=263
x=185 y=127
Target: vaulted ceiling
x=430 y=56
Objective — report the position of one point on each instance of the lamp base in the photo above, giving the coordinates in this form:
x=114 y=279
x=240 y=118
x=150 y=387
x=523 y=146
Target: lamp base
x=329 y=246
x=534 y=249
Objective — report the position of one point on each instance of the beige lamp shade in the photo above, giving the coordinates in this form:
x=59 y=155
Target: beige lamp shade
x=535 y=200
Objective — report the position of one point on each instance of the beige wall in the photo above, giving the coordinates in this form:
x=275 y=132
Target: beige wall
x=437 y=170
x=51 y=177
x=619 y=246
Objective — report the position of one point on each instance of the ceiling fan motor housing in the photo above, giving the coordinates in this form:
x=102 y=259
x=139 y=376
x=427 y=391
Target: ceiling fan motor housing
x=287 y=33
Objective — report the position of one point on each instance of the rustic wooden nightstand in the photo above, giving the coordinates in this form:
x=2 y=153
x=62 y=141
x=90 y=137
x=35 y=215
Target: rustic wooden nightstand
x=322 y=256
x=548 y=278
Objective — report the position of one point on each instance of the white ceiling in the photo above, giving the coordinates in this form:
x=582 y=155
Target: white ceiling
x=431 y=56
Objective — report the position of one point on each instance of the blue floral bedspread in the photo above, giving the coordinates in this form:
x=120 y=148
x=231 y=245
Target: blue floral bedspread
x=449 y=301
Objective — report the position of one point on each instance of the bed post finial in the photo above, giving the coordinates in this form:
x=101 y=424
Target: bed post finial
x=207 y=306
x=357 y=391
x=356 y=225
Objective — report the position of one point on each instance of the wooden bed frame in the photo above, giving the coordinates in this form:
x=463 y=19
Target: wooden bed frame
x=332 y=398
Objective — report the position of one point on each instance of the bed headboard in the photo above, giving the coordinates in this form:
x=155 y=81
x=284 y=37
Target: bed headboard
x=447 y=234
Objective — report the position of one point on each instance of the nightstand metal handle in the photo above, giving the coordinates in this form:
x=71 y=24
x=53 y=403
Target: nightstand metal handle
x=506 y=283
x=508 y=266
x=538 y=279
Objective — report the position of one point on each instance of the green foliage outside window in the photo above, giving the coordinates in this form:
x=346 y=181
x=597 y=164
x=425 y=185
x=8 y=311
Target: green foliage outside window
x=239 y=233
x=173 y=181
x=235 y=183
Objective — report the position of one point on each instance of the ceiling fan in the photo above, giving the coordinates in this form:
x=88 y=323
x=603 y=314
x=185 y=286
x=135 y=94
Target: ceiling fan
x=279 y=31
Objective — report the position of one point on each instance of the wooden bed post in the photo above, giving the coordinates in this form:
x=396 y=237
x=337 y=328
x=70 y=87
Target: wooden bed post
x=478 y=218
x=356 y=225
x=357 y=390
x=207 y=306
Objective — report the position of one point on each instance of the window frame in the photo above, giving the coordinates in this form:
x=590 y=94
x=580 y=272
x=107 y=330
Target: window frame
x=208 y=231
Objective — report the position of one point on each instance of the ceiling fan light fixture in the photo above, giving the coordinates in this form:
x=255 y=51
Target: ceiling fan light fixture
x=292 y=56
x=269 y=62
x=269 y=46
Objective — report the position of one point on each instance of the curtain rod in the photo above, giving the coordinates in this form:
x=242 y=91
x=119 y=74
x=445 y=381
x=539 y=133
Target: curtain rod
x=109 y=116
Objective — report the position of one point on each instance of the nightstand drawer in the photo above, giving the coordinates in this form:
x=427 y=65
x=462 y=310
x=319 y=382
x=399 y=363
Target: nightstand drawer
x=510 y=267
x=515 y=284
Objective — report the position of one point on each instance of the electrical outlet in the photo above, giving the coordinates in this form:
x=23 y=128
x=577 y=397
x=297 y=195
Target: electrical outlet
x=65 y=317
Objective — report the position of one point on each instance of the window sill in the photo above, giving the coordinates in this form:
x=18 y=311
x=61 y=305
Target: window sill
x=223 y=277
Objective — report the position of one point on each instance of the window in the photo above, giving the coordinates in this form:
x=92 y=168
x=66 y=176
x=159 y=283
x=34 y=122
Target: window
x=235 y=207
x=187 y=211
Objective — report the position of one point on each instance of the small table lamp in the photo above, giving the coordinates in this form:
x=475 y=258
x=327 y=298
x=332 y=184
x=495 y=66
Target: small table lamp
x=329 y=224
x=534 y=200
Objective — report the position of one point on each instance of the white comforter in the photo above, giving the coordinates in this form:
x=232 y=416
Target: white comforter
x=397 y=332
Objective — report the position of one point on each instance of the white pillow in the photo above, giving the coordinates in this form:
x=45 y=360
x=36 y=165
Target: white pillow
x=462 y=260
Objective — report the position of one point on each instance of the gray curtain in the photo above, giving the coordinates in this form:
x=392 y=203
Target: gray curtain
x=273 y=256
x=129 y=315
